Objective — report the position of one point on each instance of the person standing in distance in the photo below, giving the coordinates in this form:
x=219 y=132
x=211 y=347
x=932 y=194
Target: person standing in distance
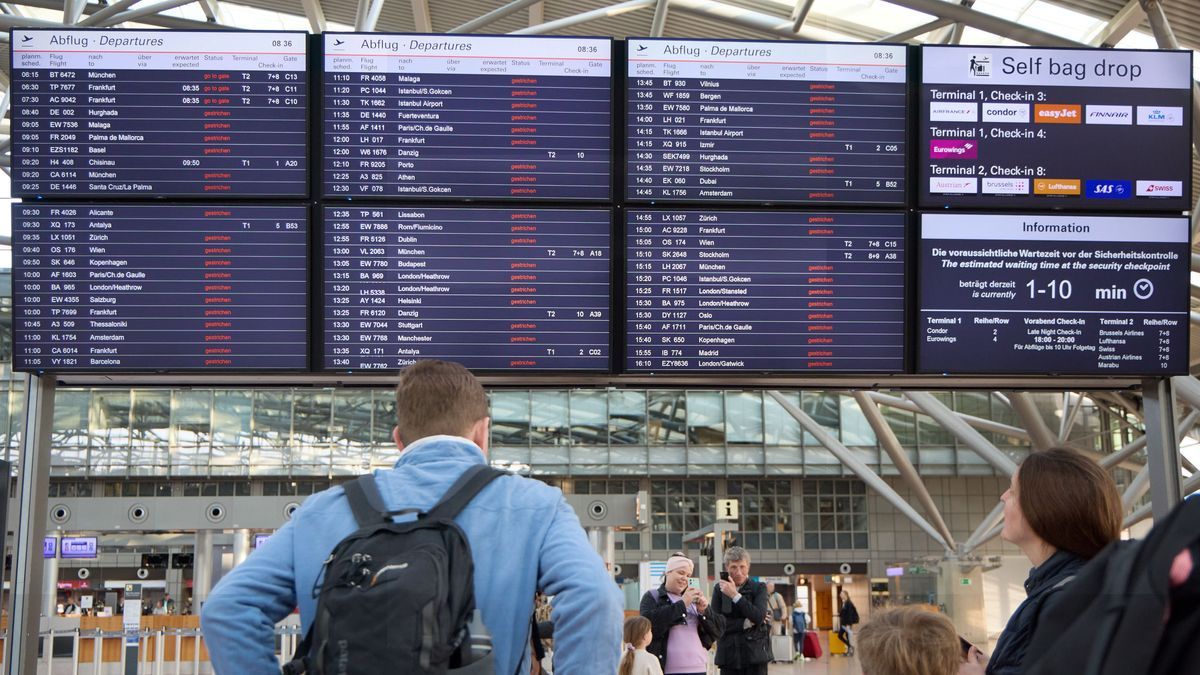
x=745 y=646
x=523 y=535
x=682 y=619
x=847 y=617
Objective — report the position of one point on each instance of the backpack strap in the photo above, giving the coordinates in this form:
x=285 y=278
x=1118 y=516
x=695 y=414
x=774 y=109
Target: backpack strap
x=464 y=490
x=365 y=501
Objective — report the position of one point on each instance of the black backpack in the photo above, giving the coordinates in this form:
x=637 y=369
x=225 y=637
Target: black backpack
x=1119 y=615
x=397 y=597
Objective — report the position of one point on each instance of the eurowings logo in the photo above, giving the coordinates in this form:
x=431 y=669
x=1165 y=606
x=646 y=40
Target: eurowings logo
x=953 y=150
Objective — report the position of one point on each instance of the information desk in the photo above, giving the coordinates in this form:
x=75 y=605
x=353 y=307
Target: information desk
x=1039 y=129
x=149 y=287
x=765 y=122
x=131 y=113
x=1009 y=294
x=494 y=289
x=764 y=291
x=467 y=117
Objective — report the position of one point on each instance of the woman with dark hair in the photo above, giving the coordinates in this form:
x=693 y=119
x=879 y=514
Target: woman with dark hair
x=847 y=617
x=1061 y=509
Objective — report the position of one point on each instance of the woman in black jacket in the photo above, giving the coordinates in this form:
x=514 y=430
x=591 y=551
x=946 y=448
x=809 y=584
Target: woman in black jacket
x=847 y=617
x=682 y=622
x=1061 y=509
x=745 y=645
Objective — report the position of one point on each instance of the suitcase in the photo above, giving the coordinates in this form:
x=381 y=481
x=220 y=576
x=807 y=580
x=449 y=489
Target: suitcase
x=836 y=646
x=781 y=648
x=812 y=645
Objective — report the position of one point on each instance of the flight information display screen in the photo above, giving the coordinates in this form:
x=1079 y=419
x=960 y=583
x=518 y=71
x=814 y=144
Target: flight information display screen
x=1024 y=294
x=765 y=122
x=1055 y=129
x=156 y=287
x=764 y=291
x=135 y=113
x=494 y=289
x=467 y=117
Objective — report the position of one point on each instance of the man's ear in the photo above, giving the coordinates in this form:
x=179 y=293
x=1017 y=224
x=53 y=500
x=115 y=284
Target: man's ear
x=396 y=438
x=480 y=432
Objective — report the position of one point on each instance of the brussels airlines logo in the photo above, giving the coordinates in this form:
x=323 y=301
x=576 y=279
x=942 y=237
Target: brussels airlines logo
x=980 y=65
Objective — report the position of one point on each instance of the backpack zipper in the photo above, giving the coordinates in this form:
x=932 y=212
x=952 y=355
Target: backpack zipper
x=385 y=568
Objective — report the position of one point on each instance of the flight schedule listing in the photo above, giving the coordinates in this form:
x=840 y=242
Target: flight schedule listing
x=119 y=114
x=1084 y=295
x=150 y=287
x=1040 y=129
x=765 y=122
x=467 y=117
x=779 y=291
x=494 y=289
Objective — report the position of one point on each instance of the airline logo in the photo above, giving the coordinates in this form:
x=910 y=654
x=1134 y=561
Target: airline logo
x=1160 y=188
x=953 y=150
x=1108 y=189
x=1006 y=186
x=1110 y=114
x=953 y=185
x=1015 y=113
x=1056 y=113
x=1056 y=186
x=1160 y=116
x=949 y=111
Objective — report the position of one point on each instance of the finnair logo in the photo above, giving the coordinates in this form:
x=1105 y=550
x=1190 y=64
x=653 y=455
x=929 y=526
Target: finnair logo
x=1110 y=114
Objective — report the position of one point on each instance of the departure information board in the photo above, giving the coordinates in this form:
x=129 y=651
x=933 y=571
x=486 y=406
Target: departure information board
x=494 y=289
x=764 y=291
x=150 y=287
x=133 y=113
x=1055 y=128
x=467 y=117
x=765 y=122
x=1084 y=295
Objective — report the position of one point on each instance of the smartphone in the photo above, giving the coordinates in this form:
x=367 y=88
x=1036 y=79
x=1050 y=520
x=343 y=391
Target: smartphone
x=724 y=576
x=966 y=646
x=693 y=582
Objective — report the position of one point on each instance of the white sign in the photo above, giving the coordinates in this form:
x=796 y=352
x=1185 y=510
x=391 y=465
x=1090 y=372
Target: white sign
x=727 y=509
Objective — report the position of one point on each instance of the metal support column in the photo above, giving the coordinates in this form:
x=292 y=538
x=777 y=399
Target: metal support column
x=1162 y=449
x=241 y=546
x=20 y=649
x=202 y=569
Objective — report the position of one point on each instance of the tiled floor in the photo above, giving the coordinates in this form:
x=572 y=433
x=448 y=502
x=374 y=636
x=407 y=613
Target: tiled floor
x=826 y=665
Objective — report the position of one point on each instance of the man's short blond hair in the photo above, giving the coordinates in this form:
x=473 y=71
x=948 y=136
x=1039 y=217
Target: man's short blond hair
x=438 y=397
x=909 y=641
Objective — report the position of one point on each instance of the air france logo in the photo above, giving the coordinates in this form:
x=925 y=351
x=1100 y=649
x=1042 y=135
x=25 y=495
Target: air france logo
x=980 y=65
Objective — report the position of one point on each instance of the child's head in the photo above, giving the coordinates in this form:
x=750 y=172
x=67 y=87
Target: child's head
x=909 y=641
x=637 y=632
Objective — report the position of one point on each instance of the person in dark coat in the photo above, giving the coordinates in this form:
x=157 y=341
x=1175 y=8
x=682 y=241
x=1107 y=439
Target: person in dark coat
x=745 y=646
x=682 y=622
x=1061 y=509
x=847 y=617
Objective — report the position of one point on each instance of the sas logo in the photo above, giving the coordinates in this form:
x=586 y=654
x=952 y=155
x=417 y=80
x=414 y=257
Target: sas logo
x=980 y=65
x=1109 y=189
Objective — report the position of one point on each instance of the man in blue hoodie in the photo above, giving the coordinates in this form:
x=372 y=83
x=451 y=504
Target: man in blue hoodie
x=524 y=537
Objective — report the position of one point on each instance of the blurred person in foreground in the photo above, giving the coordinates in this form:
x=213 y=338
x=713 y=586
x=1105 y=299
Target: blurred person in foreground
x=523 y=536
x=909 y=641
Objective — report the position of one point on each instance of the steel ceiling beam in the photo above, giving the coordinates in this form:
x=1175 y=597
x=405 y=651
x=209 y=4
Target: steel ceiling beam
x=1123 y=22
x=988 y=22
x=962 y=431
x=1039 y=432
x=422 y=21
x=800 y=13
x=740 y=16
x=315 y=14
x=977 y=422
x=497 y=14
x=1161 y=27
x=857 y=466
x=367 y=21
x=905 y=36
x=988 y=528
x=576 y=19
x=140 y=12
x=660 y=18
x=72 y=10
x=212 y=10
x=891 y=445
x=537 y=13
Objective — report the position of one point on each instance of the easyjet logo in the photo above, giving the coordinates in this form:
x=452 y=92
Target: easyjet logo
x=1046 y=113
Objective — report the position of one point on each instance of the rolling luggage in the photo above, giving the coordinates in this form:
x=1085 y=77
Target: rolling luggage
x=781 y=648
x=836 y=646
x=812 y=645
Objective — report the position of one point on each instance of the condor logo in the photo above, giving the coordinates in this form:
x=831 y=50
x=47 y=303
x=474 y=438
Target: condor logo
x=1110 y=114
x=1159 y=188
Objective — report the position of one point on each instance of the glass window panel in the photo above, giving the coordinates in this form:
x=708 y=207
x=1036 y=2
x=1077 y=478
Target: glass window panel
x=627 y=417
x=828 y=540
x=744 y=416
x=633 y=541
x=769 y=540
x=675 y=541
x=548 y=423
x=658 y=541
x=845 y=540
x=824 y=408
x=510 y=417
x=350 y=431
x=705 y=418
x=752 y=540
x=383 y=417
x=271 y=427
x=812 y=541
x=311 y=431
x=903 y=424
x=150 y=430
x=855 y=428
x=589 y=417
x=811 y=523
x=860 y=540
x=70 y=431
x=667 y=411
x=780 y=428
x=785 y=541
